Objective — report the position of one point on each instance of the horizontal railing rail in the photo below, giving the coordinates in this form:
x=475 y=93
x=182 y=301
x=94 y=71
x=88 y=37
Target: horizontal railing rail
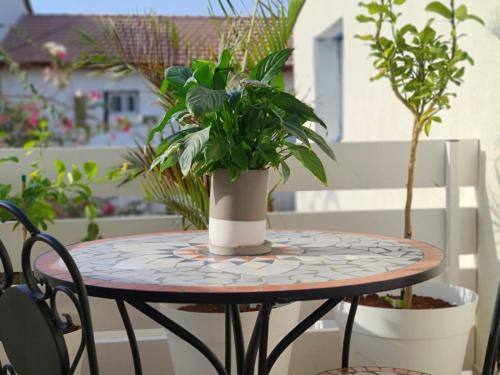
x=360 y=165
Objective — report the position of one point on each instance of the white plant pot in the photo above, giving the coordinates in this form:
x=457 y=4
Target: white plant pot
x=237 y=222
x=432 y=340
x=210 y=329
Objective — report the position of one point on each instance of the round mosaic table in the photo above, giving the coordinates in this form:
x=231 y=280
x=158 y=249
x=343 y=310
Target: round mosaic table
x=303 y=265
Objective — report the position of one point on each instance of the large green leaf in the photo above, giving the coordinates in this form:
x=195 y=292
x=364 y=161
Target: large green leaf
x=201 y=100
x=320 y=141
x=192 y=146
x=271 y=65
x=178 y=75
x=292 y=105
x=309 y=160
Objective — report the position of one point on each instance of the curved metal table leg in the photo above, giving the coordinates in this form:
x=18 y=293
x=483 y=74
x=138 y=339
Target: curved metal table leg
x=181 y=333
x=227 y=343
x=253 y=347
x=239 y=340
x=348 y=332
x=134 y=348
x=265 y=312
x=300 y=329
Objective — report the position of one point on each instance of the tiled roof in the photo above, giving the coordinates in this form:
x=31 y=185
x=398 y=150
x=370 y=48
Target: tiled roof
x=32 y=31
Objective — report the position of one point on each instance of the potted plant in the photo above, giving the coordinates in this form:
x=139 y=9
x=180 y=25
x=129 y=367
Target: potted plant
x=427 y=331
x=236 y=128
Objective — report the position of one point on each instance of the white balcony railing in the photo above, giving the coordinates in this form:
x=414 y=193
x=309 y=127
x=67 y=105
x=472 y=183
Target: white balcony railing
x=375 y=166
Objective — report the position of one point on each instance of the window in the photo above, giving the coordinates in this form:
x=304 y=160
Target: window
x=120 y=103
x=328 y=67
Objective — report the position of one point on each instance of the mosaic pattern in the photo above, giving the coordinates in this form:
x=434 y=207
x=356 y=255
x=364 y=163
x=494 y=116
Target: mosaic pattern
x=371 y=370
x=297 y=258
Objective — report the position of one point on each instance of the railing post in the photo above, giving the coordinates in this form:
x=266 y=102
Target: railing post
x=452 y=246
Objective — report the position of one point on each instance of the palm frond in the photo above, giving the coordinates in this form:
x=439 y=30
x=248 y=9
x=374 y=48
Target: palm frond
x=267 y=29
x=187 y=196
x=143 y=44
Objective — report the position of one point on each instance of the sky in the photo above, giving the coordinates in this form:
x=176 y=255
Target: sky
x=163 y=7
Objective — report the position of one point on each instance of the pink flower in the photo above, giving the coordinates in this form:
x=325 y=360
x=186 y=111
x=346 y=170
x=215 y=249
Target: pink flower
x=34 y=117
x=108 y=209
x=113 y=136
x=4 y=118
x=67 y=123
x=118 y=118
x=126 y=128
x=94 y=95
x=61 y=55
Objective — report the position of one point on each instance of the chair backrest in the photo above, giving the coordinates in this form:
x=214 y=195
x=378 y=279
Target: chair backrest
x=31 y=327
x=492 y=358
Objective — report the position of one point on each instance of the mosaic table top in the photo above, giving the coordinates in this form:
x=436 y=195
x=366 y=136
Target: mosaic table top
x=299 y=260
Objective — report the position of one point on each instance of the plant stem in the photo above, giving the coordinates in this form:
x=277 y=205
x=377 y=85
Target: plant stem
x=408 y=229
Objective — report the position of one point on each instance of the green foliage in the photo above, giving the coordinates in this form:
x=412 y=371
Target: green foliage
x=420 y=64
x=237 y=123
x=42 y=198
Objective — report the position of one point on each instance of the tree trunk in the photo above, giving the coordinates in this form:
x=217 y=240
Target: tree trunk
x=408 y=229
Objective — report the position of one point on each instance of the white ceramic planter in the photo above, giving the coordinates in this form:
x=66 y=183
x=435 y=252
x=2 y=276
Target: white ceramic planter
x=209 y=327
x=432 y=341
x=237 y=222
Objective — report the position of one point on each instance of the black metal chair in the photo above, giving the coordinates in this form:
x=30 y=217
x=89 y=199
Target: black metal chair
x=491 y=364
x=31 y=328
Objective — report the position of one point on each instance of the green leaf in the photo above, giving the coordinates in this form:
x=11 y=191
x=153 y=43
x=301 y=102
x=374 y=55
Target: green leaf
x=60 y=167
x=201 y=100
x=294 y=126
x=285 y=171
x=363 y=19
x=13 y=159
x=175 y=112
x=92 y=232
x=399 y=2
x=475 y=18
x=294 y=8
x=439 y=8
x=204 y=75
x=169 y=162
x=90 y=168
x=271 y=65
x=309 y=160
x=222 y=70
x=215 y=150
x=76 y=173
x=427 y=127
x=90 y=211
x=320 y=141
x=461 y=12
x=292 y=105
x=193 y=144
x=164 y=86
x=175 y=137
x=178 y=75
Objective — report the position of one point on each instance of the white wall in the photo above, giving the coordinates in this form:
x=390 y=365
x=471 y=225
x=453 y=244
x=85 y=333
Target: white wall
x=10 y=12
x=86 y=81
x=372 y=113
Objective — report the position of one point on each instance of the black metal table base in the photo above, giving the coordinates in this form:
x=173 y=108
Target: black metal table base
x=246 y=360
